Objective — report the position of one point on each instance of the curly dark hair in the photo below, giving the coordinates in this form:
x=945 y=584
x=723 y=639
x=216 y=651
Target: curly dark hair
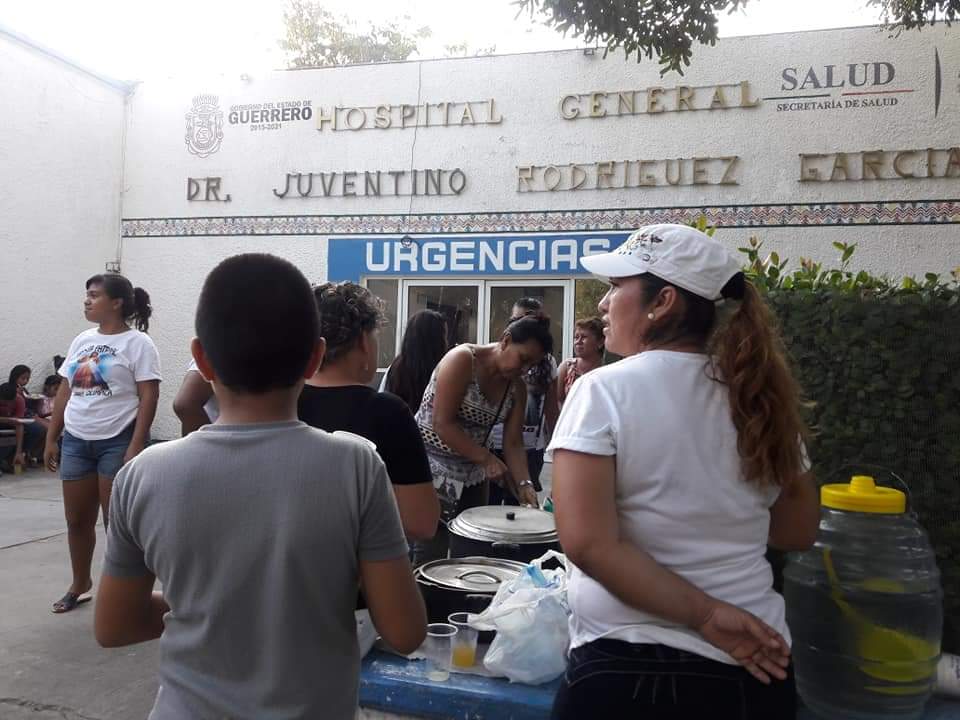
x=346 y=311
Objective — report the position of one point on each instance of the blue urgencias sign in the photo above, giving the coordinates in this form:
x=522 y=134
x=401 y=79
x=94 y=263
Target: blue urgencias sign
x=554 y=254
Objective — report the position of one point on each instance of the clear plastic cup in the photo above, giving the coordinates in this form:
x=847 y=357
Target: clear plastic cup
x=464 y=642
x=439 y=650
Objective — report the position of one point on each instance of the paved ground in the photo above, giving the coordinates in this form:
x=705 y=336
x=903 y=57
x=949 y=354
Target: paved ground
x=51 y=668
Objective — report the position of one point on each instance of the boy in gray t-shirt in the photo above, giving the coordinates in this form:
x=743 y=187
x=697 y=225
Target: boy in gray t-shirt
x=258 y=527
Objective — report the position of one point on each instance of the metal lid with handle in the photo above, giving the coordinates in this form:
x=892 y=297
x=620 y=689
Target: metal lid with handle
x=470 y=574
x=499 y=523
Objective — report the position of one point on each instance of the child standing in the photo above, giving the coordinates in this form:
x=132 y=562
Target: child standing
x=258 y=527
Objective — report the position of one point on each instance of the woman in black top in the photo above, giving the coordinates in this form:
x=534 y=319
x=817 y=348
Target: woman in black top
x=339 y=397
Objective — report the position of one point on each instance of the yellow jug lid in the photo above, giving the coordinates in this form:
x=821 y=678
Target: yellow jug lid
x=861 y=494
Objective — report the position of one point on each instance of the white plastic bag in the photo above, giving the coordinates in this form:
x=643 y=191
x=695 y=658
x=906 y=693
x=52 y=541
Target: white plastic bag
x=529 y=615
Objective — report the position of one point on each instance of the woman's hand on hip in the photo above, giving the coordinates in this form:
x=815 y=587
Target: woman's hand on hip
x=747 y=639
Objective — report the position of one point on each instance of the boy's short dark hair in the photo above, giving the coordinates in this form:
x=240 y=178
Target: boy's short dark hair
x=52 y=380
x=258 y=322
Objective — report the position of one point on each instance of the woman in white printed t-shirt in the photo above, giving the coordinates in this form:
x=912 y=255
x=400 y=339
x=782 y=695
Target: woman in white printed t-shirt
x=673 y=470
x=104 y=411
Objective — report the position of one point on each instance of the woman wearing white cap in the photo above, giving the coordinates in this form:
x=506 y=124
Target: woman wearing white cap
x=673 y=470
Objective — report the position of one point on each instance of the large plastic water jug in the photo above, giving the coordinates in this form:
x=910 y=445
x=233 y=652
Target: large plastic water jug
x=865 y=607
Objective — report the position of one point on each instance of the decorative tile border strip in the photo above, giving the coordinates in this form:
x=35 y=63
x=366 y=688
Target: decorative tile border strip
x=925 y=212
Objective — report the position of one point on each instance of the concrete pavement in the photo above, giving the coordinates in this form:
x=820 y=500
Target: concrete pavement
x=51 y=668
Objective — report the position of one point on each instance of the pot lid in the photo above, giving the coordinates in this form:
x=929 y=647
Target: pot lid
x=503 y=523
x=471 y=574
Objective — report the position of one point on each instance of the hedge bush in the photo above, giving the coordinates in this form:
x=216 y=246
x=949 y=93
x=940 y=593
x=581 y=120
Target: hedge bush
x=879 y=361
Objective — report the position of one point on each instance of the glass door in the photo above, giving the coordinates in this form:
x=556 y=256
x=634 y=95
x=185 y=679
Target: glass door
x=555 y=298
x=476 y=310
x=458 y=302
x=388 y=290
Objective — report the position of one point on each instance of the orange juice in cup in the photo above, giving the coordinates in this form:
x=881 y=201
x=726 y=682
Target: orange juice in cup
x=464 y=656
x=464 y=642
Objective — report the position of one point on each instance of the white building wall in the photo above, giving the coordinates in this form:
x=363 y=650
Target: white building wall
x=170 y=243
x=60 y=170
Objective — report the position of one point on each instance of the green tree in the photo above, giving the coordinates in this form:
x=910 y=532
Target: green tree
x=669 y=28
x=909 y=14
x=316 y=38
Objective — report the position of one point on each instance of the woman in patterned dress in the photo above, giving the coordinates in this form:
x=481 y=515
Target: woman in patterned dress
x=472 y=389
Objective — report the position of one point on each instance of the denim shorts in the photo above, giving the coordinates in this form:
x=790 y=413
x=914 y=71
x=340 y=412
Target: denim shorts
x=80 y=458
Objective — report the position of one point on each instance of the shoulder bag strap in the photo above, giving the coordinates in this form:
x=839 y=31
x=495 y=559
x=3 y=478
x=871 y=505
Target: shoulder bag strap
x=496 y=417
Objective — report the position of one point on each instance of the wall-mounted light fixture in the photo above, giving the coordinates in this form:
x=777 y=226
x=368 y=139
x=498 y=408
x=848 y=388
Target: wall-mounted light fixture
x=407 y=241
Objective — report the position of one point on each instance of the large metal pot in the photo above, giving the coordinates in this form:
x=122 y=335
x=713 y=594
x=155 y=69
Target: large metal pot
x=513 y=533
x=462 y=584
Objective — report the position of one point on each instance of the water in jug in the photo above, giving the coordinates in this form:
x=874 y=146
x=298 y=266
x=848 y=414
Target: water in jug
x=864 y=606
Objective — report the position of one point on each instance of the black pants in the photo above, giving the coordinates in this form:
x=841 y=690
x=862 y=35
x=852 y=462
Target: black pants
x=611 y=679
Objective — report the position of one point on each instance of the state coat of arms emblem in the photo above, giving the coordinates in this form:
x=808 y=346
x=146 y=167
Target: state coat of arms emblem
x=204 y=126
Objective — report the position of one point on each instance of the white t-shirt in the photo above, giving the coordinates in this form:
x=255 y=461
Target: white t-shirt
x=680 y=494
x=211 y=407
x=103 y=372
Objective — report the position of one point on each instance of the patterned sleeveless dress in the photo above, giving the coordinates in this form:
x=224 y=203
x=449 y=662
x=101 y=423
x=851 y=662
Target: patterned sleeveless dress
x=477 y=414
x=573 y=374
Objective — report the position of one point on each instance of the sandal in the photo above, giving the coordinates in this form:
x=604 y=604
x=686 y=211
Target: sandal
x=69 y=601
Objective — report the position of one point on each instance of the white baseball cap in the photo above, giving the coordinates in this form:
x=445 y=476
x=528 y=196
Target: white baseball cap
x=679 y=254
